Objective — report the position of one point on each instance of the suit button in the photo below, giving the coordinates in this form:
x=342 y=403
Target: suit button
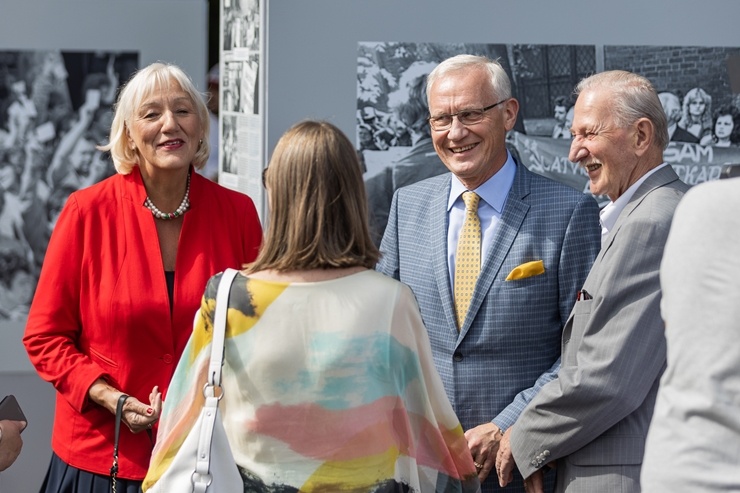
x=167 y=358
x=457 y=356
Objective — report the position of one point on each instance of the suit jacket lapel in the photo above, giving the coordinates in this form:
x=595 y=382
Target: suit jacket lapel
x=512 y=217
x=438 y=236
x=658 y=179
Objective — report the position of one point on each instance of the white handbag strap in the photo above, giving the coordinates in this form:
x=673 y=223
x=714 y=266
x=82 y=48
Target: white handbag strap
x=201 y=476
x=219 y=326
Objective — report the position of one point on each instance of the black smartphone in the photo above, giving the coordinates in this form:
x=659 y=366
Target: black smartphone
x=10 y=409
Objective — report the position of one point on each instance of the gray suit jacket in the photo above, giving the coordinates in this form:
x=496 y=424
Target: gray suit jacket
x=510 y=342
x=594 y=417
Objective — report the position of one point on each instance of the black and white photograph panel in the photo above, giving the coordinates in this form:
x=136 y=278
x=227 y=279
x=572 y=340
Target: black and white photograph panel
x=231 y=82
x=393 y=136
x=241 y=24
x=55 y=108
x=229 y=144
x=250 y=85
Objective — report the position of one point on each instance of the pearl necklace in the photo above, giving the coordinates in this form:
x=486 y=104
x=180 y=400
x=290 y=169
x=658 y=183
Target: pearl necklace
x=181 y=209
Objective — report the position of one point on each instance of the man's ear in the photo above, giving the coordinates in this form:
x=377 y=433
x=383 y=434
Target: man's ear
x=511 y=109
x=644 y=135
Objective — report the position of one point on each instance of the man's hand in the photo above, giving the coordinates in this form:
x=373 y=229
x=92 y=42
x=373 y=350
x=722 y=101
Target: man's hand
x=505 y=460
x=483 y=442
x=535 y=483
x=505 y=465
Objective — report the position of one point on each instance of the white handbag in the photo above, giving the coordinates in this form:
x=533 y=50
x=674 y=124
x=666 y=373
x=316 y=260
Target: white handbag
x=204 y=462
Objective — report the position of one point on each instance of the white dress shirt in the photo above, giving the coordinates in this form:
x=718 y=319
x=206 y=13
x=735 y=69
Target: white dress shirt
x=610 y=213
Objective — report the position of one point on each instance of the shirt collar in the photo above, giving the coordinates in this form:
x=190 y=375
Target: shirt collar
x=493 y=191
x=609 y=214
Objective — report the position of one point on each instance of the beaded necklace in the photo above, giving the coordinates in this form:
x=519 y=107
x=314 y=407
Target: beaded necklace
x=181 y=209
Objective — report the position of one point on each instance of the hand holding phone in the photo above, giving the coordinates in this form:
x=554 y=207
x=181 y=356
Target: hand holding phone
x=10 y=409
x=13 y=422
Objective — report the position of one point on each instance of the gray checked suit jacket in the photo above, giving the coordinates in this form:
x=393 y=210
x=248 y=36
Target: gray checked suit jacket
x=594 y=417
x=509 y=344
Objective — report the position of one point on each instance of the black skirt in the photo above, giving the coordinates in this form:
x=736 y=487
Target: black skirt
x=63 y=478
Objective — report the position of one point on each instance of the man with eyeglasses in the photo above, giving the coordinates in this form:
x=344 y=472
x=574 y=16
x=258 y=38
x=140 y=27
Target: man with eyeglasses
x=494 y=302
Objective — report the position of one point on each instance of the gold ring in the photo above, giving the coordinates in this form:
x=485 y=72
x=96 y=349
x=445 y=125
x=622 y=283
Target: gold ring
x=478 y=466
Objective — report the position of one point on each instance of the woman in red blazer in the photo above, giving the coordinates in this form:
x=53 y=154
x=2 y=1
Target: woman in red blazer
x=123 y=276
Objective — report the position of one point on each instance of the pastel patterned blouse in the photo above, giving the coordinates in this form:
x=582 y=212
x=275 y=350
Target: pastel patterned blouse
x=328 y=387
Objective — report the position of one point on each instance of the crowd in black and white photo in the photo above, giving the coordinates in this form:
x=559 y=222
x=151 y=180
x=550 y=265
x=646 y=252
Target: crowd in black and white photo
x=48 y=139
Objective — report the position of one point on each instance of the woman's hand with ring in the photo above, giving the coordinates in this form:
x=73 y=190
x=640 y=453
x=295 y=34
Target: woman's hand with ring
x=139 y=416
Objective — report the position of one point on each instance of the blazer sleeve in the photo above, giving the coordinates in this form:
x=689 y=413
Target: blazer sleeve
x=617 y=352
x=54 y=322
x=581 y=245
x=388 y=263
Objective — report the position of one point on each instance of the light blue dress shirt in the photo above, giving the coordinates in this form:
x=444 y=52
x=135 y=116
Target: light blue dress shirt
x=493 y=193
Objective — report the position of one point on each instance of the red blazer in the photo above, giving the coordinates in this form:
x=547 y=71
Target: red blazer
x=101 y=307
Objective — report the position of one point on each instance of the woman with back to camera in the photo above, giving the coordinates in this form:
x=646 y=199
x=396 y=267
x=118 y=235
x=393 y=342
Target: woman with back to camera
x=697 y=115
x=328 y=378
x=122 y=279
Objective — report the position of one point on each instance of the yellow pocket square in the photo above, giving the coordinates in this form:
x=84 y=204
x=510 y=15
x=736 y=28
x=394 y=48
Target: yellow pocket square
x=529 y=269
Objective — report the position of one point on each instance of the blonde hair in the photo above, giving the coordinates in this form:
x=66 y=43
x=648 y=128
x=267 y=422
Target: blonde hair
x=705 y=119
x=156 y=77
x=318 y=206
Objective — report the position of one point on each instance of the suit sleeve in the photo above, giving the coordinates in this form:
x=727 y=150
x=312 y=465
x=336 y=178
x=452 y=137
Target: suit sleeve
x=617 y=352
x=388 y=263
x=581 y=244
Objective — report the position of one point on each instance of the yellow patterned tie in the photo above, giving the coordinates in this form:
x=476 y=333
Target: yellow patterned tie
x=467 y=260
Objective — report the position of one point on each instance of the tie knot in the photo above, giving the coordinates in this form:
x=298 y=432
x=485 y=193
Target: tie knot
x=471 y=201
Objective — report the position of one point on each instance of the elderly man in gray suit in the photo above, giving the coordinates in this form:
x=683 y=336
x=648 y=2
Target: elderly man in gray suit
x=495 y=285
x=593 y=418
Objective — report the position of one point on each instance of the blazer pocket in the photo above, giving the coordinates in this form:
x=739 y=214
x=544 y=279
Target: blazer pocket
x=99 y=358
x=528 y=269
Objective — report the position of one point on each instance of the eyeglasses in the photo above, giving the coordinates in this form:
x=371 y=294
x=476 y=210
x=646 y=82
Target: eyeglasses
x=465 y=117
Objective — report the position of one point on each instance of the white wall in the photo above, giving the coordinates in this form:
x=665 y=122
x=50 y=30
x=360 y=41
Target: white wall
x=168 y=30
x=173 y=31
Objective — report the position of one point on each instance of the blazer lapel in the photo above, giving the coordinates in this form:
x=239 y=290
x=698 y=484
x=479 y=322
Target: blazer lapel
x=658 y=179
x=438 y=236
x=512 y=217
